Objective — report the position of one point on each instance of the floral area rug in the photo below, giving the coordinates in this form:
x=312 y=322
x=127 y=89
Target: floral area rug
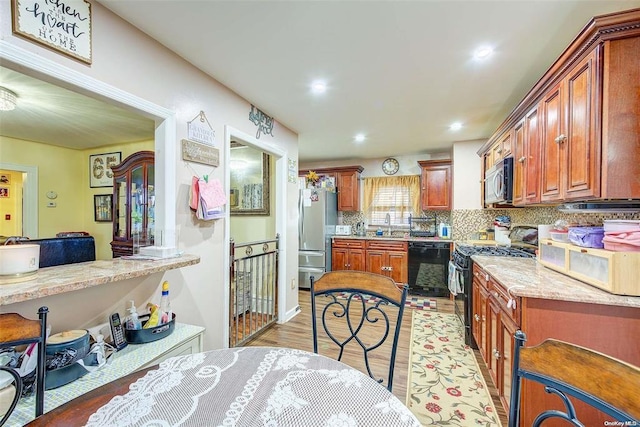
x=445 y=385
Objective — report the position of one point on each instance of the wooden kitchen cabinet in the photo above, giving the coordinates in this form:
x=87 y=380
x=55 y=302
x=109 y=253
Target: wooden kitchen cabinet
x=389 y=258
x=581 y=113
x=133 y=202
x=347 y=179
x=348 y=254
x=479 y=312
x=435 y=184
x=570 y=150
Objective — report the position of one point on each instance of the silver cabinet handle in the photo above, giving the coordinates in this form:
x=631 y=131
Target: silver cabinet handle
x=477 y=317
x=560 y=139
x=496 y=353
x=522 y=159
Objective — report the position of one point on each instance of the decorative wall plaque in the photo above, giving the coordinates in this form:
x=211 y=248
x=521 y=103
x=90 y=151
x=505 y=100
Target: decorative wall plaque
x=197 y=152
x=260 y=119
x=64 y=26
x=200 y=130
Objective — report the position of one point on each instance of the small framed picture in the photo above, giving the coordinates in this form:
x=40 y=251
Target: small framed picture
x=100 y=165
x=5 y=179
x=4 y=192
x=103 y=207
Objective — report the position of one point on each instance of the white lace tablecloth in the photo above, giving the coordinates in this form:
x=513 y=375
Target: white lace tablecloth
x=254 y=386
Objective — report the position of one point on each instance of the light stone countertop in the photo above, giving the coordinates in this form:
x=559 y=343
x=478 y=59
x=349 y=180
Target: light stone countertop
x=527 y=278
x=72 y=277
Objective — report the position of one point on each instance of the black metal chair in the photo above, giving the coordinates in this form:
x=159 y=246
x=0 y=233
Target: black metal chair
x=358 y=310
x=607 y=384
x=15 y=330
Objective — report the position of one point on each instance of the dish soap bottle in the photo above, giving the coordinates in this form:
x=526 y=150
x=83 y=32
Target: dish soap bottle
x=165 y=304
x=133 y=322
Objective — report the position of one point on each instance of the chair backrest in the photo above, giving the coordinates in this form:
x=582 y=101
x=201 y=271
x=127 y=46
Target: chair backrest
x=15 y=330
x=358 y=311
x=608 y=384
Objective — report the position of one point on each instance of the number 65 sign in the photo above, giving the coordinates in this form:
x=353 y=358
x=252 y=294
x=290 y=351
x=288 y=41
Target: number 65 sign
x=100 y=174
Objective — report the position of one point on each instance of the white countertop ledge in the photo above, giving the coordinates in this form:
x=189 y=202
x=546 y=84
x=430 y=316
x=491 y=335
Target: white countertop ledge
x=72 y=277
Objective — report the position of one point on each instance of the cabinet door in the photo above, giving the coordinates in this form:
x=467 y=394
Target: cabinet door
x=475 y=316
x=493 y=341
x=348 y=191
x=581 y=147
x=376 y=262
x=339 y=259
x=532 y=162
x=435 y=191
x=506 y=144
x=496 y=152
x=552 y=138
x=399 y=264
x=357 y=260
x=484 y=321
x=507 y=330
x=518 y=164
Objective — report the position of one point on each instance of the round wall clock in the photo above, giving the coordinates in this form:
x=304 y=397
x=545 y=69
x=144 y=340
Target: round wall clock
x=390 y=166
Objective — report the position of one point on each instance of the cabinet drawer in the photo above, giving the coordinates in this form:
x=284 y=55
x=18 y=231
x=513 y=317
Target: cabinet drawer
x=349 y=243
x=502 y=297
x=387 y=245
x=481 y=276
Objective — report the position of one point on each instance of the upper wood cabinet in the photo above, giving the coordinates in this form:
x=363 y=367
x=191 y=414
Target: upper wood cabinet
x=133 y=202
x=570 y=147
x=435 y=184
x=583 y=113
x=347 y=179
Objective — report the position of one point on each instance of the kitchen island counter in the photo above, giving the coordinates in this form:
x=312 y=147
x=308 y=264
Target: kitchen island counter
x=71 y=277
x=526 y=278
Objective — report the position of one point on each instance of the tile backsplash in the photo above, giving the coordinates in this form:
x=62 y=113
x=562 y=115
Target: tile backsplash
x=467 y=222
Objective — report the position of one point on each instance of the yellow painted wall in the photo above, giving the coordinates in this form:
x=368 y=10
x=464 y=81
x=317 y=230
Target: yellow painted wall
x=66 y=172
x=10 y=203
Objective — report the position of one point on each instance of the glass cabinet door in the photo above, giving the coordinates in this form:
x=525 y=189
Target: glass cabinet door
x=151 y=203
x=120 y=220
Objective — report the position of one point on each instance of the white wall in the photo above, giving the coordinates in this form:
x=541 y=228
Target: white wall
x=129 y=60
x=466 y=175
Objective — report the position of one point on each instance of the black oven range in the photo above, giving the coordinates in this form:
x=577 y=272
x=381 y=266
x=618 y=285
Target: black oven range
x=461 y=269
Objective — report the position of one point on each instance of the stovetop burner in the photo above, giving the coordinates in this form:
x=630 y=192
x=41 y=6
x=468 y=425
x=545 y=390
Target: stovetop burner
x=463 y=253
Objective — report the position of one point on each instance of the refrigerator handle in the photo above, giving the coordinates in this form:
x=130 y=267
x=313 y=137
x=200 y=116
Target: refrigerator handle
x=301 y=219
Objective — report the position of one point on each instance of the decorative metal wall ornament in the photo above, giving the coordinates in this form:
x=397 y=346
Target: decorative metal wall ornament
x=260 y=119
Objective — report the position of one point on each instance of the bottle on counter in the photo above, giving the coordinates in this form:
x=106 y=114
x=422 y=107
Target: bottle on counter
x=165 y=304
x=133 y=322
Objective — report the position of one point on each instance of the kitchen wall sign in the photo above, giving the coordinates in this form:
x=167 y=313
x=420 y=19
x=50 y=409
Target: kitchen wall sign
x=64 y=26
x=200 y=153
x=199 y=129
x=100 y=165
x=260 y=119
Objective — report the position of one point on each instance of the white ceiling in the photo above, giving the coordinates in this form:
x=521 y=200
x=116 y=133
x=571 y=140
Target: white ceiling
x=398 y=71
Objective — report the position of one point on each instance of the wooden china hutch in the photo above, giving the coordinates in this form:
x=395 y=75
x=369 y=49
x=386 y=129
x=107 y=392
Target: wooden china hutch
x=133 y=202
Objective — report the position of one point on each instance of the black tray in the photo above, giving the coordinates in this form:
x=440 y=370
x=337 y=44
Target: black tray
x=142 y=336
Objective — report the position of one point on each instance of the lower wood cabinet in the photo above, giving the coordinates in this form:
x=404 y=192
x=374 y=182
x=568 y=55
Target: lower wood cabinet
x=611 y=330
x=389 y=258
x=348 y=254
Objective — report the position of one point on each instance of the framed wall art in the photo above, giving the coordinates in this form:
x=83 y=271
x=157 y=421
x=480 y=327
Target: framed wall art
x=103 y=207
x=100 y=173
x=61 y=26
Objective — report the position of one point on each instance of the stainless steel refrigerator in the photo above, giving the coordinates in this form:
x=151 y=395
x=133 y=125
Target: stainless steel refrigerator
x=317 y=219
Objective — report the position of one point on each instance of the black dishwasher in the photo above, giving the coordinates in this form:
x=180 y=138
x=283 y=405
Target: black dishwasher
x=429 y=268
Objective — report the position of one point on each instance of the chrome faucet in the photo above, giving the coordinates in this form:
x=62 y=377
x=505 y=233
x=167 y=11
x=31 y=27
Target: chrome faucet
x=387 y=220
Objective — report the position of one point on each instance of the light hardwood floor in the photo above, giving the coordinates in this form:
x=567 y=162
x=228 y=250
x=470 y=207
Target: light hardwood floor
x=297 y=334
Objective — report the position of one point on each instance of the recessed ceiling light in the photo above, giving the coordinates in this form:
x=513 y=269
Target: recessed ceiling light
x=359 y=137
x=318 y=86
x=483 y=52
x=455 y=126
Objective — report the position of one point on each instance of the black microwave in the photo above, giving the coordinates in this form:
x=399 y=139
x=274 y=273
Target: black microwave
x=498 y=182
